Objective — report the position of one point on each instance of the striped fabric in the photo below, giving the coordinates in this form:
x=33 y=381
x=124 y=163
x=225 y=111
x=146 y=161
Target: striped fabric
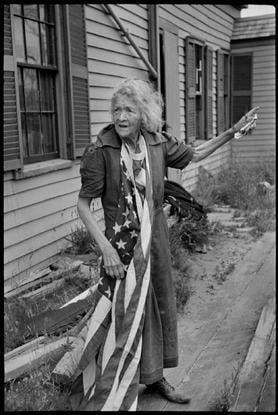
x=112 y=351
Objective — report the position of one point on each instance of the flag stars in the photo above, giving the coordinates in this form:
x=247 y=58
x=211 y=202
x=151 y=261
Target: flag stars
x=133 y=234
x=127 y=222
x=129 y=198
x=117 y=228
x=121 y=244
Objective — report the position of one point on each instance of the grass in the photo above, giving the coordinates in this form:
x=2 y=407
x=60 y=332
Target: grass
x=81 y=242
x=223 y=399
x=238 y=186
x=36 y=392
x=18 y=311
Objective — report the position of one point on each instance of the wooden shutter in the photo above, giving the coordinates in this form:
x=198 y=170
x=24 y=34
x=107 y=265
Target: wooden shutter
x=12 y=153
x=79 y=78
x=190 y=85
x=209 y=91
x=220 y=92
x=241 y=85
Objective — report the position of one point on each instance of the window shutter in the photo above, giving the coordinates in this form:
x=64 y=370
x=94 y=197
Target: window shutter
x=220 y=92
x=12 y=154
x=79 y=78
x=190 y=100
x=209 y=92
x=241 y=85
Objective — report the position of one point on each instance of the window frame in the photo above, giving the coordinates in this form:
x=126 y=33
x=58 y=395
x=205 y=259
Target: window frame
x=61 y=84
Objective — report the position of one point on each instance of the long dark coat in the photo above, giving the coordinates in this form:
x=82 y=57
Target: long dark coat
x=100 y=176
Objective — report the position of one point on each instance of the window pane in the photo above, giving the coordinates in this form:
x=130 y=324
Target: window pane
x=31 y=11
x=47 y=13
x=32 y=42
x=47 y=36
x=34 y=134
x=48 y=133
x=20 y=88
x=17 y=9
x=31 y=90
x=23 y=127
x=47 y=91
x=19 y=39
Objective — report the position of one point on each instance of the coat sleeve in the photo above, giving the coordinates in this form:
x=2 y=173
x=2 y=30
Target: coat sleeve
x=177 y=154
x=92 y=171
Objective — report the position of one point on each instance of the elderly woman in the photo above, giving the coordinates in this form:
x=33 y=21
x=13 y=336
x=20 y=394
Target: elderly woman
x=133 y=331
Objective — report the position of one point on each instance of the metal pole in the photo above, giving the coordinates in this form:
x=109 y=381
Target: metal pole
x=129 y=37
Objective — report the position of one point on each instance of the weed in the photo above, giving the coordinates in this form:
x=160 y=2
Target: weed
x=189 y=234
x=81 y=241
x=36 y=392
x=238 y=186
x=222 y=401
x=220 y=275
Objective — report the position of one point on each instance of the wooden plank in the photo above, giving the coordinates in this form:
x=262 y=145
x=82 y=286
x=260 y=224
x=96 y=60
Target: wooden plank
x=65 y=265
x=31 y=197
x=28 y=214
x=32 y=229
x=56 y=321
x=82 y=295
x=123 y=47
x=21 y=264
x=31 y=245
x=28 y=361
x=12 y=187
x=25 y=347
x=67 y=366
x=131 y=60
x=250 y=379
x=110 y=68
x=95 y=28
x=45 y=290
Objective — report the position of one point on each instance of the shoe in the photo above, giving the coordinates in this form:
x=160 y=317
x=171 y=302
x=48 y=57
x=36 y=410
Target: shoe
x=168 y=391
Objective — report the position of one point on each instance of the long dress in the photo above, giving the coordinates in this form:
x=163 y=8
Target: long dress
x=100 y=176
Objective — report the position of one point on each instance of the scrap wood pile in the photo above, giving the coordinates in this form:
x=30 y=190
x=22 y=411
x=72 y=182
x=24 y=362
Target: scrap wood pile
x=59 y=333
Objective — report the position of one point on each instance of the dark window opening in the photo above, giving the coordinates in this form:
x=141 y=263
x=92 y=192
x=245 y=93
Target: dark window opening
x=37 y=70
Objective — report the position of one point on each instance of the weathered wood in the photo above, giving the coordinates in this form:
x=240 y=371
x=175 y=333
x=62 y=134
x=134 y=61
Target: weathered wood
x=65 y=265
x=46 y=289
x=54 y=321
x=25 y=347
x=251 y=375
x=66 y=368
x=27 y=361
x=82 y=295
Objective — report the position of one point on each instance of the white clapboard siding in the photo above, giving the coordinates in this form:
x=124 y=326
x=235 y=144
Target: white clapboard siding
x=40 y=212
x=261 y=143
x=111 y=58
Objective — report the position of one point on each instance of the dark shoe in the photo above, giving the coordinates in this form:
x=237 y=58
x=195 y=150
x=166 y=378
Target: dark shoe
x=168 y=391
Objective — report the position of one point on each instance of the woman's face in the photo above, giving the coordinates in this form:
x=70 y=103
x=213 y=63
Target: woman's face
x=126 y=117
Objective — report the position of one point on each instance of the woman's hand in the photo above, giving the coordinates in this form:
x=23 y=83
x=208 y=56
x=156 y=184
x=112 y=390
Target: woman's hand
x=247 y=122
x=112 y=263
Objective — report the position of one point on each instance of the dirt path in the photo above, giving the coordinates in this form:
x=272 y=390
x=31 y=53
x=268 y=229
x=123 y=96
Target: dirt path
x=229 y=286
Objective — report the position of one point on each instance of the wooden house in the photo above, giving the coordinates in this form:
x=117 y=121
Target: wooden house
x=253 y=84
x=61 y=63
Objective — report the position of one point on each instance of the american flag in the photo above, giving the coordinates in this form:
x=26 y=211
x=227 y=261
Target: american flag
x=112 y=351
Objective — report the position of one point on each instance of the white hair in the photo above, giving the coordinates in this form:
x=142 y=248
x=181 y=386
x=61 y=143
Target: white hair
x=149 y=101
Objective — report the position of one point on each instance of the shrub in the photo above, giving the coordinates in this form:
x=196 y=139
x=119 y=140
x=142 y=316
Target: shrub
x=81 y=242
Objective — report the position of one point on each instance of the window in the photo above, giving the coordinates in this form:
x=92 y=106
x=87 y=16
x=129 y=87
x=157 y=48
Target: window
x=198 y=90
x=46 y=92
x=241 y=85
x=35 y=52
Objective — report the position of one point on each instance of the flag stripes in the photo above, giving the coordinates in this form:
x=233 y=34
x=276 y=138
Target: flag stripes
x=115 y=333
